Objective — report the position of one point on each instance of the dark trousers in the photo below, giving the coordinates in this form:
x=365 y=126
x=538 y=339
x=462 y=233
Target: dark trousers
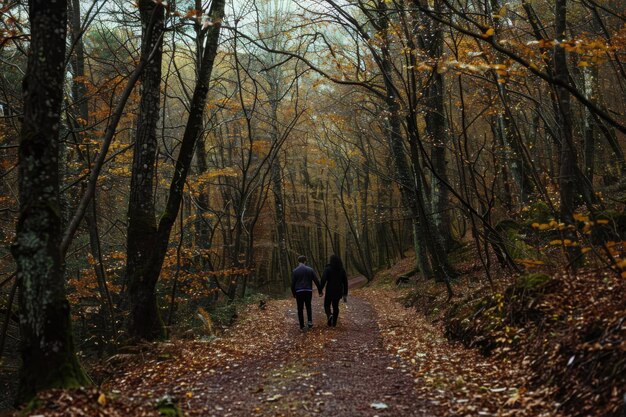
x=328 y=301
x=304 y=298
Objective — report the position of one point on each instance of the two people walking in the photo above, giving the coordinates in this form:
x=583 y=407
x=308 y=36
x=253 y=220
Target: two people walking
x=334 y=279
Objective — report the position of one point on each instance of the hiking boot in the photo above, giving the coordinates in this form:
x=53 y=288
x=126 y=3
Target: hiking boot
x=329 y=322
x=310 y=324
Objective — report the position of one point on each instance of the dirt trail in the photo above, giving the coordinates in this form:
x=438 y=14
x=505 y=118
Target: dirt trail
x=342 y=371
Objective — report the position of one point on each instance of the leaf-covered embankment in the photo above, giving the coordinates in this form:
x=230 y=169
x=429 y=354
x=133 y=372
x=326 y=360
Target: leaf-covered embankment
x=541 y=344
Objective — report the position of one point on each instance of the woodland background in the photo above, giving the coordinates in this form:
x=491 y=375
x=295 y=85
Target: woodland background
x=448 y=130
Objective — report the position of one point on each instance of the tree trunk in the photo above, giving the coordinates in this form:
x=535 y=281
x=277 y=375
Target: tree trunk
x=590 y=76
x=510 y=136
x=568 y=187
x=48 y=353
x=404 y=174
x=80 y=112
x=144 y=312
x=145 y=320
x=277 y=189
x=367 y=252
x=437 y=131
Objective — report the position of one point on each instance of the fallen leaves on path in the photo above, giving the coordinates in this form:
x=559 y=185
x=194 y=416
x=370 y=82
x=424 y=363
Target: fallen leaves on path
x=453 y=379
x=383 y=359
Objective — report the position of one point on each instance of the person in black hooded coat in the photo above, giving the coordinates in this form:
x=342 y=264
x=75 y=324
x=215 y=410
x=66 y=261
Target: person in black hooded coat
x=335 y=280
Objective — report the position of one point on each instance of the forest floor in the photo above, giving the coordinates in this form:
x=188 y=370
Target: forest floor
x=381 y=360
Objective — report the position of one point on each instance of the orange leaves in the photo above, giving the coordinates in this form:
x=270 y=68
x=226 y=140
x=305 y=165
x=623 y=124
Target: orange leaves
x=422 y=66
x=219 y=172
x=261 y=147
x=229 y=272
x=564 y=242
x=198 y=183
x=591 y=50
x=488 y=33
x=501 y=13
x=326 y=162
x=530 y=263
x=553 y=224
x=193 y=13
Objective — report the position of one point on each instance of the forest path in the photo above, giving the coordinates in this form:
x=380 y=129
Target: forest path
x=342 y=371
x=264 y=366
x=381 y=360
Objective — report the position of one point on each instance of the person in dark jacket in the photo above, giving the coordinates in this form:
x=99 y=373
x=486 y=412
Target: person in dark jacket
x=302 y=279
x=335 y=280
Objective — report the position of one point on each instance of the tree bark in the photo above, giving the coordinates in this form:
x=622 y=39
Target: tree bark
x=277 y=189
x=568 y=187
x=144 y=320
x=48 y=353
x=80 y=112
x=144 y=304
x=438 y=134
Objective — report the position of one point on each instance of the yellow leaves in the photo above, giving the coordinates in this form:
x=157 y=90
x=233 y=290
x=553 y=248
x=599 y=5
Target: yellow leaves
x=488 y=33
x=189 y=394
x=564 y=242
x=530 y=263
x=102 y=399
x=123 y=171
x=222 y=103
x=501 y=13
x=424 y=67
x=542 y=226
x=602 y=221
x=328 y=162
x=580 y=217
x=220 y=172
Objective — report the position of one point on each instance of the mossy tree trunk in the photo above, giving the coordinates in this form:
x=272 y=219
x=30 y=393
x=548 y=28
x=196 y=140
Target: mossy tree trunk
x=145 y=320
x=47 y=346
